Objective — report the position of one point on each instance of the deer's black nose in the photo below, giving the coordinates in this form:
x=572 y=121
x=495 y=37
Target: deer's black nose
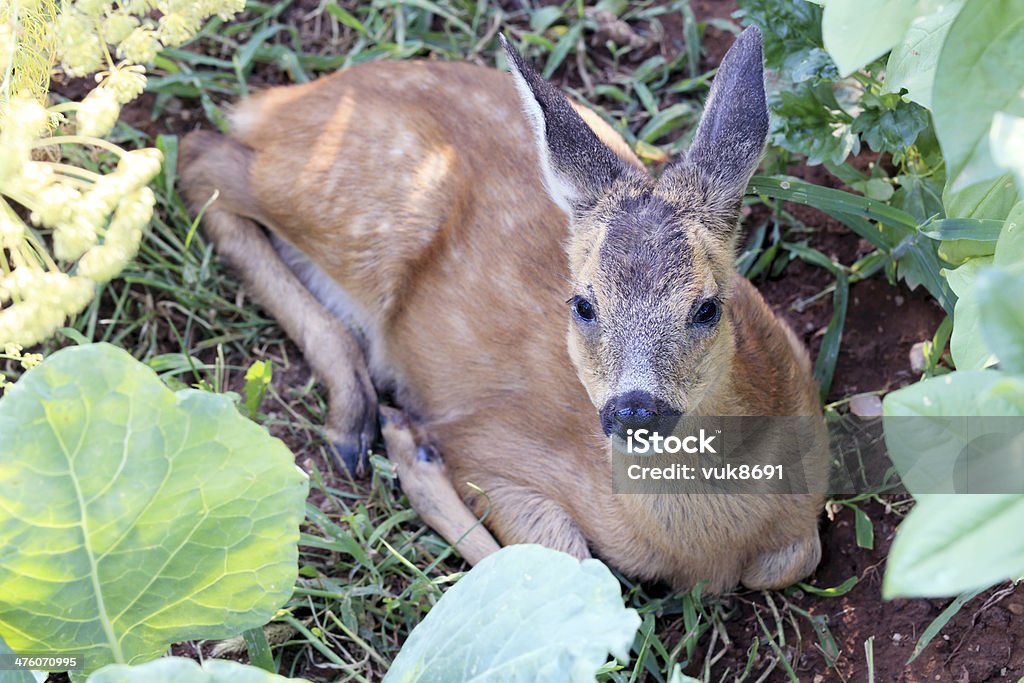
x=633 y=410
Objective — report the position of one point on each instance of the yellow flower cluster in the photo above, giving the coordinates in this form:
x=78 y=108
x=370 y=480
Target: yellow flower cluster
x=94 y=221
x=14 y=352
x=129 y=27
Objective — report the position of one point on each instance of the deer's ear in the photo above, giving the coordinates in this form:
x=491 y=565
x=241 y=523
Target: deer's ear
x=732 y=131
x=577 y=168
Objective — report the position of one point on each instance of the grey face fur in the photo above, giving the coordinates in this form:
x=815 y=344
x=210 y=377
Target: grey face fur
x=652 y=261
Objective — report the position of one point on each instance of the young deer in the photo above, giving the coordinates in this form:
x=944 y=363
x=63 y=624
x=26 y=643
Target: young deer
x=413 y=248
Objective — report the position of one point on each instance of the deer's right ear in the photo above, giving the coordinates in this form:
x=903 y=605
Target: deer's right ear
x=577 y=168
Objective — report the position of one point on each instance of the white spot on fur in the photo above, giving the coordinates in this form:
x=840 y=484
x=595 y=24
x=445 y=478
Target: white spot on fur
x=242 y=117
x=431 y=173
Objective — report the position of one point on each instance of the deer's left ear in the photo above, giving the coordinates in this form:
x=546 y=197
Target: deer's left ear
x=730 y=137
x=577 y=168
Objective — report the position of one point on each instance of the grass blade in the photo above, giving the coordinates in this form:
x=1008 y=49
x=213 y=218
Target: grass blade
x=834 y=592
x=562 y=48
x=259 y=649
x=825 y=365
x=864 y=528
x=345 y=17
x=981 y=230
x=828 y=200
x=940 y=621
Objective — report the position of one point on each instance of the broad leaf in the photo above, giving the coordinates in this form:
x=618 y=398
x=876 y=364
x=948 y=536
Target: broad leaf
x=1006 y=140
x=986 y=201
x=1010 y=246
x=182 y=670
x=15 y=675
x=959 y=252
x=949 y=544
x=1009 y=390
x=858 y=31
x=913 y=60
x=981 y=392
x=525 y=613
x=929 y=424
x=991 y=199
x=966 y=344
x=980 y=72
x=1000 y=291
x=132 y=517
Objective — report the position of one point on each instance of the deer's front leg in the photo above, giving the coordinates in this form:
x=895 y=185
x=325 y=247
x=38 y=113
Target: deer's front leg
x=518 y=515
x=426 y=482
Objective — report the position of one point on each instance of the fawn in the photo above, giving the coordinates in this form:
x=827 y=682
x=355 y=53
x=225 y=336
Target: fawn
x=417 y=243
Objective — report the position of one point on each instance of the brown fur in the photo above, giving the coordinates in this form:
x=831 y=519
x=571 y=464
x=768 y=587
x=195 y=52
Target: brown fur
x=414 y=186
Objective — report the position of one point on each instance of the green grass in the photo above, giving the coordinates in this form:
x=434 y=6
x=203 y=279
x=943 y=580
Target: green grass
x=370 y=569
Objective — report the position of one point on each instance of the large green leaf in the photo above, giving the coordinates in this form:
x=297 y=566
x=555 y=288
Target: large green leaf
x=929 y=424
x=978 y=392
x=1006 y=140
x=1010 y=246
x=1000 y=292
x=990 y=200
x=525 y=613
x=1009 y=390
x=14 y=675
x=132 y=517
x=858 y=31
x=949 y=544
x=966 y=345
x=914 y=58
x=182 y=670
x=980 y=72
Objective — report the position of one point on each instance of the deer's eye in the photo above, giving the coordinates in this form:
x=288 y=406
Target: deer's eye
x=583 y=309
x=708 y=313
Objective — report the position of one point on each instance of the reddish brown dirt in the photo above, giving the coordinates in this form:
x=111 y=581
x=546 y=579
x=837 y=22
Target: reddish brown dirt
x=882 y=322
x=716 y=40
x=983 y=642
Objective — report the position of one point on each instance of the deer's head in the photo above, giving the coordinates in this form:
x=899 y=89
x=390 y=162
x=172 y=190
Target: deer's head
x=651 y=261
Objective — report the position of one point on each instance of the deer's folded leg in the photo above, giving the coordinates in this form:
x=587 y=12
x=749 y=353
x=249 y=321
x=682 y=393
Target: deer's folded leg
x=426 y=482
x=216 y=164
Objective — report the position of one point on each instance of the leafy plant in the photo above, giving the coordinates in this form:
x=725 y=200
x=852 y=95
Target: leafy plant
x=257 y=381
x=134 y=517
x=525 y=613
x=182 y=670
x=951 y=544
x=945 y=105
